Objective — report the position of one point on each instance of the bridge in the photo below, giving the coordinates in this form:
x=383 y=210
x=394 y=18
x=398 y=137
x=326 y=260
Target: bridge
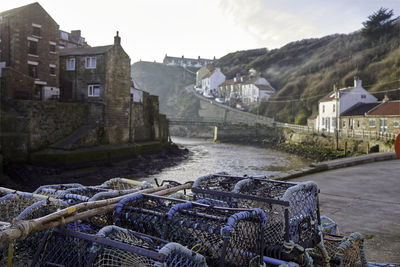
x=215 y=121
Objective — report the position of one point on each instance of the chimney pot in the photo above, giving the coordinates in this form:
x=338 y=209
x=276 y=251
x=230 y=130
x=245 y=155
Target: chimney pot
x=117 y=39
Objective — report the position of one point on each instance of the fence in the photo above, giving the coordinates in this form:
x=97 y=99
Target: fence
x=360 y=134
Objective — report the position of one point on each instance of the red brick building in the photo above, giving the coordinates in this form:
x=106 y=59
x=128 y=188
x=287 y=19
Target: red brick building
x=29 y=53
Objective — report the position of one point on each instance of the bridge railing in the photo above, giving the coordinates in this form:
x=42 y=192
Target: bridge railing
x=343 y=133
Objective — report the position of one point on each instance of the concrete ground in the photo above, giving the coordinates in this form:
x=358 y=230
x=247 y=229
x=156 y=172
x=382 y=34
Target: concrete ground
x=365 y=199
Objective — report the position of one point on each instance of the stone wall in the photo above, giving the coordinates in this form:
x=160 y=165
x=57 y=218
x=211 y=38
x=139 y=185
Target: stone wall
x=211 y=109
x=117 y=95
x=44 y=122
x=352 y=144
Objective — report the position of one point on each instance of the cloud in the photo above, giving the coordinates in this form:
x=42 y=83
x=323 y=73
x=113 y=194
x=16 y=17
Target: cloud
x=275 y=23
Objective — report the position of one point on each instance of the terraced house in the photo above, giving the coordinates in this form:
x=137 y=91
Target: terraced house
x=29 y=53
x=100 y=74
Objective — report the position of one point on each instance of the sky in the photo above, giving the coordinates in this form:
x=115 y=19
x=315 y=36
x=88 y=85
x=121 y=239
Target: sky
x=150 y=29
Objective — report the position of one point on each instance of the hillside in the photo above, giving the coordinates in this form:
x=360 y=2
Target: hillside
x=168 y=82
x=306 y=70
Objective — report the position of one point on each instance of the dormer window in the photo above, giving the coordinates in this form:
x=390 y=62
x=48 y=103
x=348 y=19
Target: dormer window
x=363 y=96
x=90 y=63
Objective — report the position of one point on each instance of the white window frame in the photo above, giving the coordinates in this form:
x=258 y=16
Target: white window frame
x=92 y=92
x=54 y=67
x=69 y=65
x=372 y=123
x=90 y=62
x=396 y=124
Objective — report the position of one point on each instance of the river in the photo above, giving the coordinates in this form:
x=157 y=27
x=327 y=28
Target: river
x=207 y=157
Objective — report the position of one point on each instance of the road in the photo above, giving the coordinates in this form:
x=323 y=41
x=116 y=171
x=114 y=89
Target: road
x=365 y=199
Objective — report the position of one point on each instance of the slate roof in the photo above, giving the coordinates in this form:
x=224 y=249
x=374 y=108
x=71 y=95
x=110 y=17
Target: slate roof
x=360 y=109
x=18 y=9
x=264 y=87
x=227 y=82
x=209 y=75
x=391 y=108
x=82 y=51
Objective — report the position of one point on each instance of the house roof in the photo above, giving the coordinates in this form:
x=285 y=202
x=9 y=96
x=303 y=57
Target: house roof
x=264 y=87
x=208 y=75
x=185 y=58
x=313 y=116
x=331 y=95
x=386 y=108
x=81 y=51
x=360 y=109
x=227 y=82
x=18 y=9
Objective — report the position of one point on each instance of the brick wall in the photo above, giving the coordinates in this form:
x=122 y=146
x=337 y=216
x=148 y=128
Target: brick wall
x=16 y=28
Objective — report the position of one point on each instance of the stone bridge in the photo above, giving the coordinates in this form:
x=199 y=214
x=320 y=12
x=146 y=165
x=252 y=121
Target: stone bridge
x=212 y=112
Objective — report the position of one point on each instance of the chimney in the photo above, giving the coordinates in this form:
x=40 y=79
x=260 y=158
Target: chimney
x=386 y=99
x=357 y=82
x=76 y=34
x=117 y=39
x=183 y=56
x=199 y=57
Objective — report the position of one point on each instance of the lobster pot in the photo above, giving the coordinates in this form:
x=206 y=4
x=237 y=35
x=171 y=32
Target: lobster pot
x=124 y=184
x=55 y=190
x=225 y=236
x=292 y=208
x=64 y=247
x=344 y=250
x=111 y=246
x=24 y=207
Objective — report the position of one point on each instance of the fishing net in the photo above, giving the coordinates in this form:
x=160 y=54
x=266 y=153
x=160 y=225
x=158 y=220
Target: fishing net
x=291 y=208
x=77 y=245
x=124 y=184
x=12 y=205
x=223 y=235
x=22 y=251
x=63 y=246
x=345 y=250
x=143 y=250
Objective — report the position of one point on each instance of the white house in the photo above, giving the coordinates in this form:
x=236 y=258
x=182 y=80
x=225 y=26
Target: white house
x=256 y=89
x=211 y=81
x=344 y=99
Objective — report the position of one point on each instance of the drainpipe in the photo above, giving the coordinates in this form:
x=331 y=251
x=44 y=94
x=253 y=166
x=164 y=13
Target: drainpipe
x=337 y=116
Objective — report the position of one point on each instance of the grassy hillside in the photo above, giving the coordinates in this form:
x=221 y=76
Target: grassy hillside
x=168 y=82
x=306 y=70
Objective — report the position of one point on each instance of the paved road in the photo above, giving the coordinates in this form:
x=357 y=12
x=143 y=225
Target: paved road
x=365 y=199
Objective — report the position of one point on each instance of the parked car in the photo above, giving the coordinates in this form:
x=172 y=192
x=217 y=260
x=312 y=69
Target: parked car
x=220 y=100
x=208 y=95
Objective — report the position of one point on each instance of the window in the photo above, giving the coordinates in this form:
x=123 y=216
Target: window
x=52 y=48
x=344 y=124
x=333 y=110
x=35 y=31
x=323 y=108
x=93 y=90
x=32 y=71
x=32 y=47
x=358 y=124
x=323 y=121
x=90 y=62
x=52 y=68
x=396 y=124
x=363 y=96
x=372 y=123
x=71 y=63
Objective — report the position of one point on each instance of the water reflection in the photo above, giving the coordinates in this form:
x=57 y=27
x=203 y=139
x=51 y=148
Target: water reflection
x=208 y=157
